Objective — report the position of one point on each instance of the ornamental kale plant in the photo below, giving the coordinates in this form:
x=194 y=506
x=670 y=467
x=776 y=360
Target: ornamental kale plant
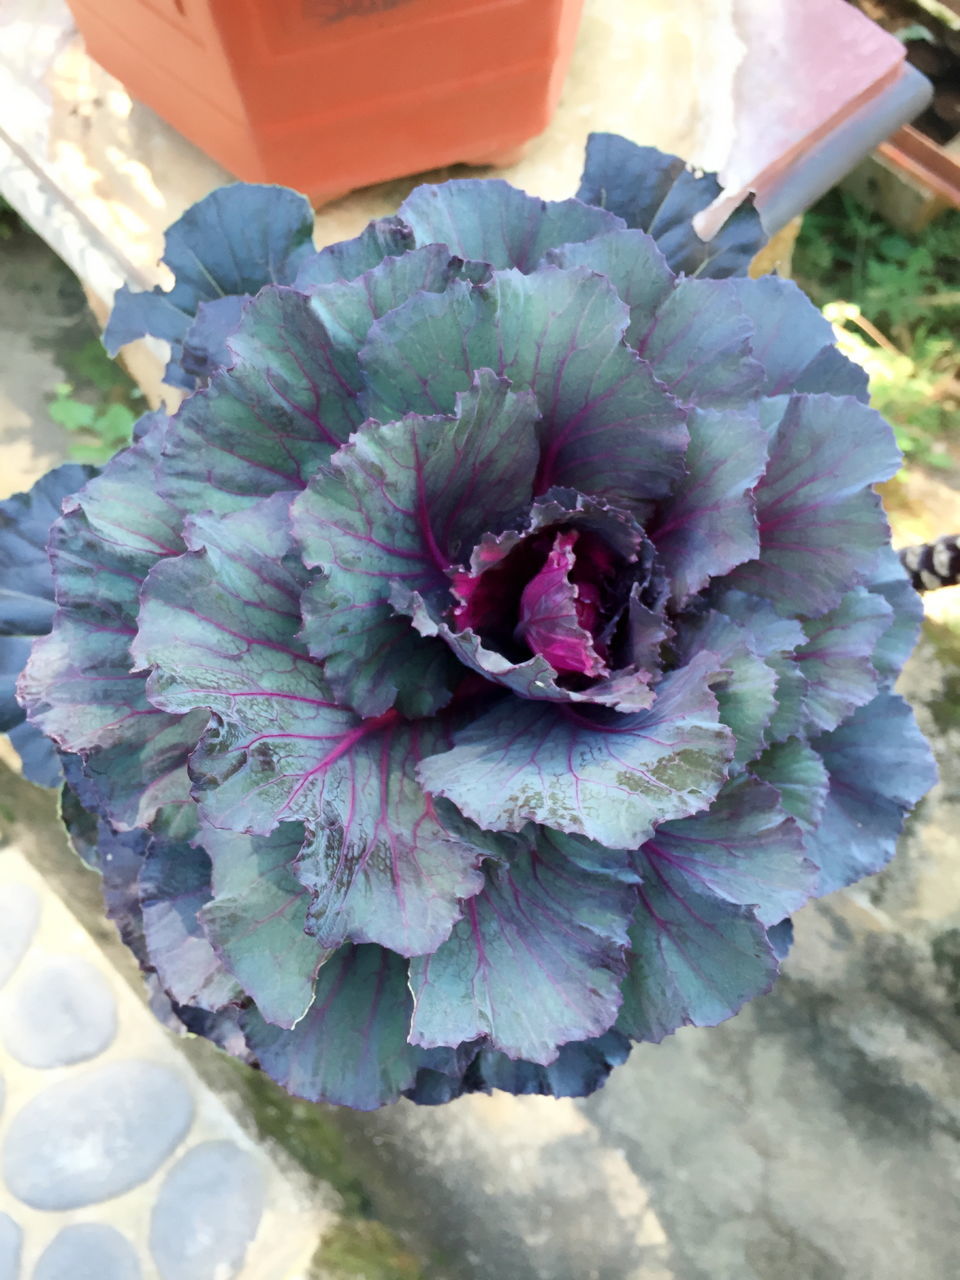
x=495 y=649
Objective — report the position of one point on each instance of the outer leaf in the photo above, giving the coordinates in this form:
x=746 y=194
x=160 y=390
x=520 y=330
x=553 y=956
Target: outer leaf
x=39 y=762
x=633 y=264
x=834 y=373
x=835 y=661
x=775 y=639
x=579 y=1069
x=487 y=220
x=609 y=777
x=351 y=1047
x=385 y=864
x=382 y=865
x=205 y=346
x=744 y=849
x=26 y=585
x=117 y=856
x=799 y=775
x=146 y=769
x=14 y=652
x=696 y=959
x=879 y=766
x=698 y=343
x=234 y=241
x=174 y=886
x=780 y=937
x=257 y=919
x=659 y=194
x=385 y=237
x=607 y=427
x=347 y=308
x=78 y=685
x=398 y=505
x=894 y=647
x=535 y=963
x=26 y=603
x=746 y=689
x=709 y=525
x=265 y=427
x=820 y=526
x=792 y=342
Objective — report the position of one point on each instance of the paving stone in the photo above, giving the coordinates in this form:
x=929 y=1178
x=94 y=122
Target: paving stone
x=89 y=1251
x=207 y=1213
x=10 y=1237
x=61 y=1012
x=19 y=913
x=95 y=1135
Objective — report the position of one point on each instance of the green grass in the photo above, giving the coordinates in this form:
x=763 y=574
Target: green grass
x=898 y=301
x=98 y=406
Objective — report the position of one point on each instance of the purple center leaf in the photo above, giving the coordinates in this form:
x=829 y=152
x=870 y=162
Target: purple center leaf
x=558 y=615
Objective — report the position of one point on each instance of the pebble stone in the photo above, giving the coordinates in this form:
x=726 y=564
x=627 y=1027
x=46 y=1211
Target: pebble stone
x=207 y=1213
x=61 y=1012
x=89 y=1251
x=10 y=1237
x=19 y=914
x=95 y=1135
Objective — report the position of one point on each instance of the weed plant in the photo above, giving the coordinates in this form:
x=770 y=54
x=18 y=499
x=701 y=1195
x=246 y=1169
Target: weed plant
x=897 y=301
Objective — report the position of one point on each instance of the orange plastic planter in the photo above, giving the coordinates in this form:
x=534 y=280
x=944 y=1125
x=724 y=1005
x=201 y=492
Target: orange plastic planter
x=328 y=95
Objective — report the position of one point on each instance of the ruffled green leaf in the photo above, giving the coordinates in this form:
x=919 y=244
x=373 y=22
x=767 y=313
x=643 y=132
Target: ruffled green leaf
x=662 y=195
x=383 y=866
x=535 y=962
x=821 y=526
x=836 y=660
x=487 y=220
x=256 y=919
x=351 y=1047
x=745 y=849
x=607 y=428
x=398 y=506
x=709 y=525
x=695 y=959
x=698 y=344
x=879 y=766
x=174 y=886
x=609 y=777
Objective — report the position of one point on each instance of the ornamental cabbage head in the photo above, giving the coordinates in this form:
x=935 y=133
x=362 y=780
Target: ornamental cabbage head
x=482 y=664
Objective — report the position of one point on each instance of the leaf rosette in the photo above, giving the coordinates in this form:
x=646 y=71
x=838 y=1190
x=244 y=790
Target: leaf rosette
x=495 y=649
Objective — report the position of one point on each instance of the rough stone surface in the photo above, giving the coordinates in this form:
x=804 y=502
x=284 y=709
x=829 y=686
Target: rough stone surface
x=207 y=1212
x=61 y=1012
x=19 y=913
x=10 y=1240
x=93 y=1136
x=89 y=1251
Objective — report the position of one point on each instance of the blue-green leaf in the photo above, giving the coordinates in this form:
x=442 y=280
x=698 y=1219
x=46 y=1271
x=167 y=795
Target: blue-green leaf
x=535 y=962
